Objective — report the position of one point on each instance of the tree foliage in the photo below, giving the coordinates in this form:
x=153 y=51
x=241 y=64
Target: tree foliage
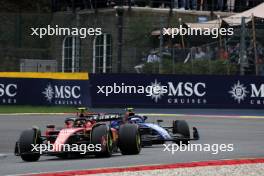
x=198 y=67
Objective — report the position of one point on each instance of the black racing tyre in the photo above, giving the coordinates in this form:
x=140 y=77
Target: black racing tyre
x=69 y=155
x=129 y=141
x=28 y=137
x=181 y=127
x=98 y=133
x=63 y=156
x=145 y=141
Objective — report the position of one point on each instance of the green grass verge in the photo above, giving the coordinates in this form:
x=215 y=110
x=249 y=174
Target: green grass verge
x=5 y=109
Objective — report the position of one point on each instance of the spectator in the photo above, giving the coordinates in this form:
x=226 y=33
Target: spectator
x=260 y=50
x=176 y=4
x=209 y=53
x=234 y=53
x=199 y=55
x=231 y=5
x=111 y=3
x=193 y=4
x=139 y=68
x=152 y=57
x=220 y=5
x=188 y=4
x=241 y=5
x=215 y=53
x=200 y=4
x=182 y=4
x=192 y=53
x=211 y=5
x=223 y=54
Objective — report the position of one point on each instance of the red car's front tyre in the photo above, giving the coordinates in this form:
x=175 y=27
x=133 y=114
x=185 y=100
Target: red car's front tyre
x=27 y=138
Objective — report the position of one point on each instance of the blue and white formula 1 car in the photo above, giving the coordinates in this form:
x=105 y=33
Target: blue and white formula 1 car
x=154 y=133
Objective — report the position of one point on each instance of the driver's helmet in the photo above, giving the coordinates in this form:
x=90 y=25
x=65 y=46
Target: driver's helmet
x=129 y=112
x=80 y=123
x=81 y=111
x=136 y=119
x=115 y=124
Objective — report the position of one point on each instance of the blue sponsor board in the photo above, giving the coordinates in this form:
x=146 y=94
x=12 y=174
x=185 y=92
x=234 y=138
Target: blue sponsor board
x=140 y=90
x=33 y=91
x=176 y=91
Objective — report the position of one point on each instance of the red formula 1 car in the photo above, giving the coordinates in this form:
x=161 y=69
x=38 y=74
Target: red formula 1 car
x=88 y=133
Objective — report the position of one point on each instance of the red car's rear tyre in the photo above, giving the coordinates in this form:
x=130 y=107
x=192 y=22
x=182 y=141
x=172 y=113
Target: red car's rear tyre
x=98 y=133
x=129 y=139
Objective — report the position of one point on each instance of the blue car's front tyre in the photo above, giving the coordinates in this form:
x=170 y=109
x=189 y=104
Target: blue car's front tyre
x=181 y=127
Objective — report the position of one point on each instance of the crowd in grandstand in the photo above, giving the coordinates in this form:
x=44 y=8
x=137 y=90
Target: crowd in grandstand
x=228 y=54
x=215 y=5
x=220 y=5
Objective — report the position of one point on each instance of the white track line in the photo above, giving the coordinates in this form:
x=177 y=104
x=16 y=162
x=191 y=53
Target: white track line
x=201 y=115
x=152 y=114
x=21 y=114
x=3 y=155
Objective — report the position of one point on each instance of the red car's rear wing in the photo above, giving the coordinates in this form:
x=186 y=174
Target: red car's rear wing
x=108 y=117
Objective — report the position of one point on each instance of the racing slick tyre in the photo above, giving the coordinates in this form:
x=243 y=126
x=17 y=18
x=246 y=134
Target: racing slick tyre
x=27 y=138
x=129 y=139
x=70 y=156
x=102 y=135
x=181 y=127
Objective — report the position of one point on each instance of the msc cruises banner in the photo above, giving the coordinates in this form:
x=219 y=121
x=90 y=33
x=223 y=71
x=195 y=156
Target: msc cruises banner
x=39 y=91
x=174 y=91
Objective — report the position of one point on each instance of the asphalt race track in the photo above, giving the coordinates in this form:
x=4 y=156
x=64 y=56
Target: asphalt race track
x=246 y=133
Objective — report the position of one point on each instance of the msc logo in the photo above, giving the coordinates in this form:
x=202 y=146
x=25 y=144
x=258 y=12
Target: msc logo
x=239 y=92
x=181 y=89
x=9 y=90
x=61 y=92
x=8 y=93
